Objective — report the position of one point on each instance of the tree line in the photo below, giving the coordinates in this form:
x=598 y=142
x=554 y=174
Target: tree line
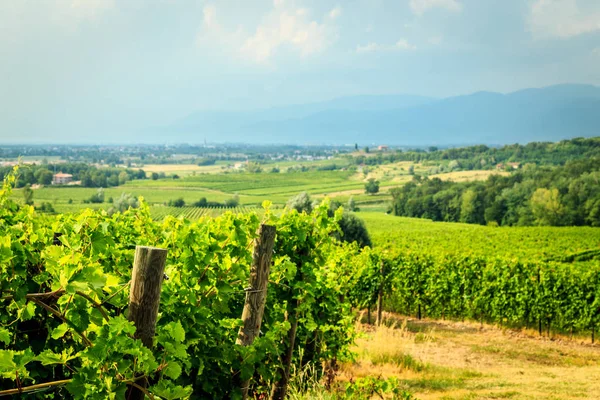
x=534 y=195
x=89 y=175
x=484 y=157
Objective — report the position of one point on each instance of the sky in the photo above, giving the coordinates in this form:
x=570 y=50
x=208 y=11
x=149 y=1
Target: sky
x=83 y=68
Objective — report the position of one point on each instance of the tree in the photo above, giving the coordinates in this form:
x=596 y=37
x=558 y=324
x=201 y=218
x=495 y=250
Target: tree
x=354 y=230
x=546 y=207
x=177 y=203
x=97 y=197
x=28 y=195
x=356 y=146
x=254 y=167
x=372 y=186
x=411 y=169
x=367 y=149
x=351 y=204
x=123 y=203
x=301 y=203
x=43 y=176
x=233 y=202
x=469 y=207
x=123 y=177
x=154 y=176
x=201 y=203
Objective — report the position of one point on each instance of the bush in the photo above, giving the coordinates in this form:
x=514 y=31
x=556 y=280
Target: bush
x=372 y=186
x=201 y=203
x=97 y=198
x=301 y=202
x=233 y=202
x=177 y=203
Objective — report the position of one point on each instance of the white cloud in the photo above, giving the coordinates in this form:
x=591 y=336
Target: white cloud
x=213 y=33
x=562 y=19
x=284 y=26
x=287 y=28
x=210 y=16
x=420 y=7
x=335 y=12
x=371 y=47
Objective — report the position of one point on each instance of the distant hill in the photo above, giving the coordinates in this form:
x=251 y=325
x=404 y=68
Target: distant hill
x=545 y=114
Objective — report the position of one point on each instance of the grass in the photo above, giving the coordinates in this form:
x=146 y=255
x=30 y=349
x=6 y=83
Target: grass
x=473 y=361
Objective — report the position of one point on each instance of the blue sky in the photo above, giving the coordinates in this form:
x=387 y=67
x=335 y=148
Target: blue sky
x=84 y=67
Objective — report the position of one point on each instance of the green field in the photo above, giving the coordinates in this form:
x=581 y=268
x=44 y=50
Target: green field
x=421 y=235
x=251 y=189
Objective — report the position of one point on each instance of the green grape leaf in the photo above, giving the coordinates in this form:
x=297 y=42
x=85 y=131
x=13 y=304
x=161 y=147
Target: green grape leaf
x=48 y=357
x=59 y=331
x=170 y=391
x=5 y=336
x=172 y=370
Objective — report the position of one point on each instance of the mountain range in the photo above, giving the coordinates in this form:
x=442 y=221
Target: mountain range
x=542 y=114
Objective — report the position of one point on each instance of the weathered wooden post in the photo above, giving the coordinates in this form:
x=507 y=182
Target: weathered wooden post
x=256 y=293
x=144 y=299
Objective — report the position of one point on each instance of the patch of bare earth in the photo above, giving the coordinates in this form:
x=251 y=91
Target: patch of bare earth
x=464 y=360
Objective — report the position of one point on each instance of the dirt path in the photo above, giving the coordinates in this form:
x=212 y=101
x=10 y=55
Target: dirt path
x=452 y=360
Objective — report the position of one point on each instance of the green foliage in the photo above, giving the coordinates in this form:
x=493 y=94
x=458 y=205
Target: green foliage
x=28 y=195
x=301 y=203
x=97 y=197
x=53 y=329
x=124 y=203
x=177 y=202
x=557 y=196
x=372 y=186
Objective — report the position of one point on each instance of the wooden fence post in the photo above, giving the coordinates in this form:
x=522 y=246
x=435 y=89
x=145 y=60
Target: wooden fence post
x=144 y=299
x=256 y=293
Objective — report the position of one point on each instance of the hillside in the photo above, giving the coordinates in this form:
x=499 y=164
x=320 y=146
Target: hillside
x=549 y=114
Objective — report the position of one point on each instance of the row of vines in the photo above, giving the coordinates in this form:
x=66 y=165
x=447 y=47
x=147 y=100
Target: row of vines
x=548 y=296
x=64 y=290
x=64 y=287
x=192 y=213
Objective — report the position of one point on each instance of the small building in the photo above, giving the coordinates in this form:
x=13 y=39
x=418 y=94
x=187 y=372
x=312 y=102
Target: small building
x=502 y=166
x=62 y=179
x=383 y=148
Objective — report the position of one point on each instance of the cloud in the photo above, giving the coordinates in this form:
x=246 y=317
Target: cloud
x=284 y=26
x=371 y=47
x=335 y=12
x=289 y=27
x=209 y=13
x=420 y=7
x=562 y=19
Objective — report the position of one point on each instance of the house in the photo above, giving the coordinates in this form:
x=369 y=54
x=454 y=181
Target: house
x=62 y=179
x=383 y=148
x=513 y=165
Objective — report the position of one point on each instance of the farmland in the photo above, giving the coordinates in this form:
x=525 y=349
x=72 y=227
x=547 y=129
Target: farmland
x=527 y=243
x=462 y=301
x=217 y=183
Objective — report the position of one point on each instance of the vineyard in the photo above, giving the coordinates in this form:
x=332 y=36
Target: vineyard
x=193 y=213
x=70 y=326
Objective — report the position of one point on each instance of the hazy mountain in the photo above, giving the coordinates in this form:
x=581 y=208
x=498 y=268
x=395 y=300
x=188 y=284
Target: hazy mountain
x=550 y=113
